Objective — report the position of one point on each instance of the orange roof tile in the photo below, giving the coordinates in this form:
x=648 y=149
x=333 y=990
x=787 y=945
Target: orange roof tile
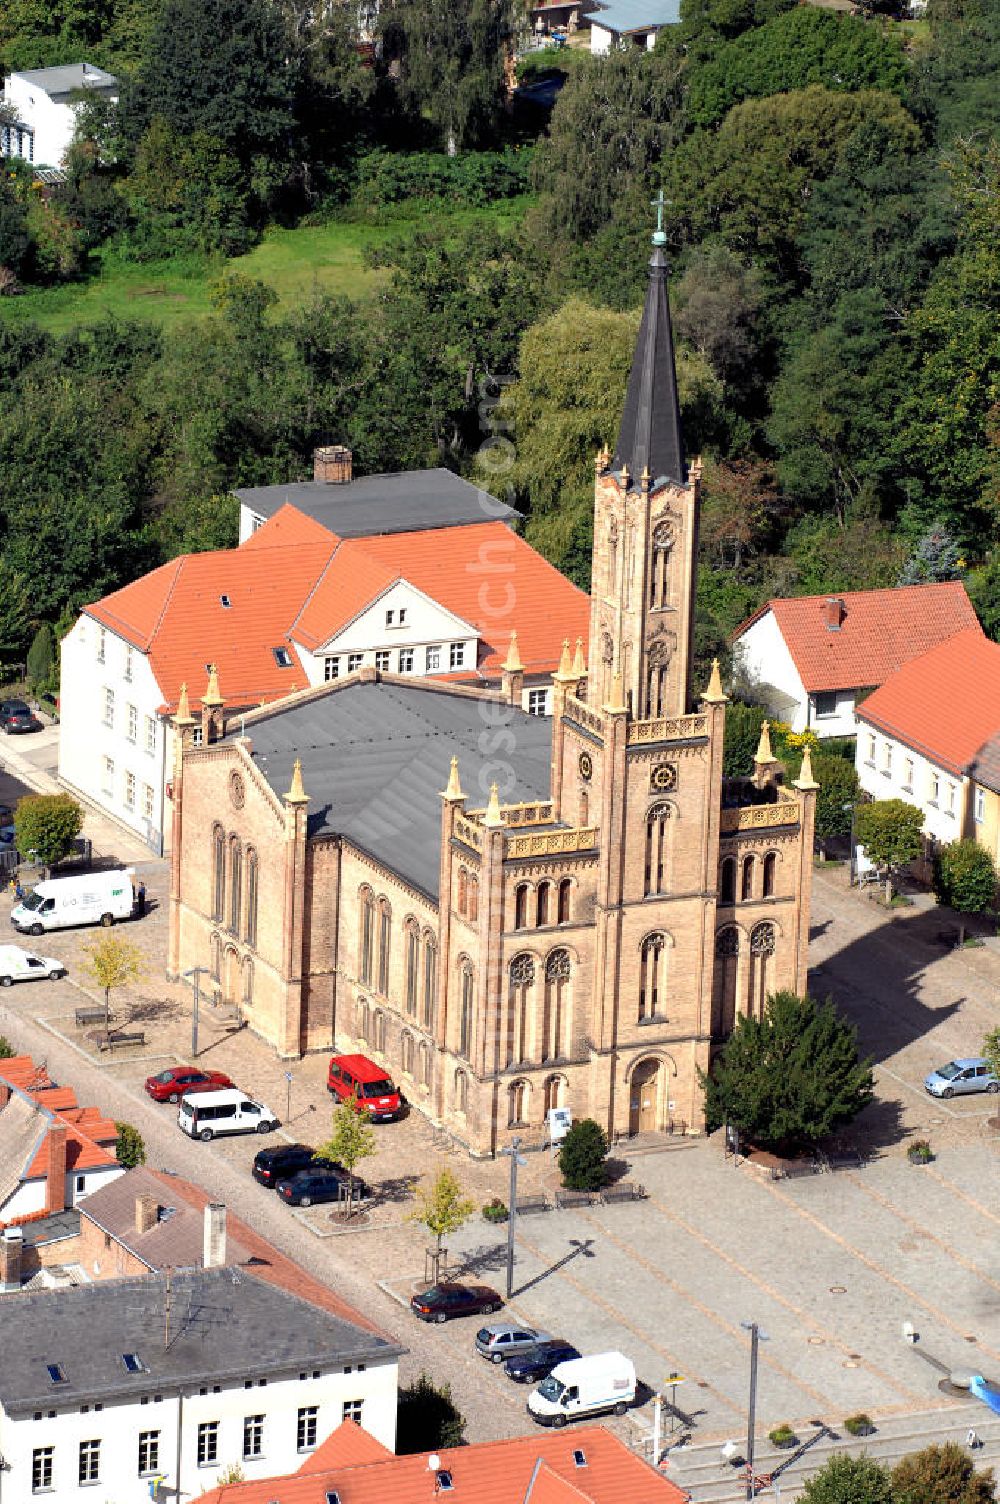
x=536 y=1469
x=881 y=630
x=944 y=704
x=347 y=1446
x=21 y=1070
x=289 y=525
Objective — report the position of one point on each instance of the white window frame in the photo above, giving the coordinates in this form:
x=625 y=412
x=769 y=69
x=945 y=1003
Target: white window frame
x=407 y=660
x=108 y=785
x=825 y=695
x=128 y=786
x=253 y=1432
x=132 y=718
x=151 y=735
x=128 y=663
x=979 y=806
x=148 y=801
x=102 y=645
x=149 y=1450
x=383 y=658
x=208 y=1443
x=433 y=659
x=538 y=700
x=456 y=655
x=354 y=662
x=109 y=707
x=331 y=669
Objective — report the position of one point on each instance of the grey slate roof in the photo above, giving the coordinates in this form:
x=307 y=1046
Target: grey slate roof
x=375 y=757
x=405 y=502
x=624 y=16
x=985 y=766
x=225 y=1325
x=63 y=80
x=651 y=420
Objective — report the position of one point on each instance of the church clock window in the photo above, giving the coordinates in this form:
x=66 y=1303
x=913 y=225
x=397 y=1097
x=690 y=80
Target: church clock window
x=657 y=835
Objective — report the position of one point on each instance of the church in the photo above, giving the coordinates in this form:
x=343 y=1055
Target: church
x=510 y=912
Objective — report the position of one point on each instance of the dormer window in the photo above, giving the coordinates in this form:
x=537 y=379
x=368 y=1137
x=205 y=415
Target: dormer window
x=282 y=657
x=56 y=1373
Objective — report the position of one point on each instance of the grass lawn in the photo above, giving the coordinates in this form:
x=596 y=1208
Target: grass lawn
x=297 y=263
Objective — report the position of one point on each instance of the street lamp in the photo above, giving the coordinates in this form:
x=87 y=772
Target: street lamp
x=756 y=1336
x=516 y=1161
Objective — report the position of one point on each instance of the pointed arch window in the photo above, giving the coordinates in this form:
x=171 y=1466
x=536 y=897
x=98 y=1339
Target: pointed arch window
x=473 y=897
x=247 y=982
x=412 y=965
x=384 y=937
x=367 y=956
x=725 y=980
x=555 y=1018
x=746 y=885
x=461 y=1092
x=466 y=1010
x=235 y=884
x=543 y=905
x=565 y=892
x=378 y=1030
x=521 y=906
x=430 y=978
x=518 y=1094
x=425 y=1064
x=727 y=880
x=463 y=890
x=216 y=958
x=652 y=976
x=406 y=1052
x=521 y=991
x=659 y=570
x=770 y=864
x=361 y=1017
x=656 y=848
x=218 y=873
x=253 y=885
x=763 y=941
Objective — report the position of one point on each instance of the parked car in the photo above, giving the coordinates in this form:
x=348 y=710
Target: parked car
x=584 y=1387
x=281 y=1162
x=358 y=1078
x=443 y=1301
x=173 y=1083
x=205 y=1114
x=331 y=1183
x=17 y=965
x=538 y=1362
x=960 y=1076
x=502 y=1339
x=16 y=718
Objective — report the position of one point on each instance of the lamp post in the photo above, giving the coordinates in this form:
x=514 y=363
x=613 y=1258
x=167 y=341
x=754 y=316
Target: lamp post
x=195 y=973
x=852 y=806
x=515 y=1162
x=756 y=1336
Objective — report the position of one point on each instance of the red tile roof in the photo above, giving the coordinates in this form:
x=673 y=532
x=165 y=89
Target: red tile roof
x=535 y=1469
x=944 y=704
x=90 y=1136
x=881 y=630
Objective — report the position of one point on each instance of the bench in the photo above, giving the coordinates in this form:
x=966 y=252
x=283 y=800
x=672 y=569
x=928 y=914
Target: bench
x=566 y=1200
x=95 y=1015
x=623 y=1190
x=527 y=1204
x=138 y=1037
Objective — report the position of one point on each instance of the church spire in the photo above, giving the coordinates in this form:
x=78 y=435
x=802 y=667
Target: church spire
x=650 y=434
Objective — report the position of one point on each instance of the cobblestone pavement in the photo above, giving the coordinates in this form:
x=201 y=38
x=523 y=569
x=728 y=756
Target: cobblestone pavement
x=830 y=1265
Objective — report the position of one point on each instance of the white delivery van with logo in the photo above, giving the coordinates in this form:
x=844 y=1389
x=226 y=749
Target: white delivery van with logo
x=94 y=898
x=203 y=1114
x=584 y=1386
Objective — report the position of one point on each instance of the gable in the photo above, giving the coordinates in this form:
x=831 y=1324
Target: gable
x=424 y=621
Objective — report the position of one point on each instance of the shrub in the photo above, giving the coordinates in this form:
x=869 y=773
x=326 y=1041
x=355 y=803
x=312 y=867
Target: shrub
x=495 y=1210
x=941 y=1475
x=46 y=826
x=920 y=1151
x=41 y=657
x=964 y=877
x=849 y=1480
x=427 y=1418
x=475 y=178
x=782 y=1436
x=129 y=1147
x=859 y=1424
x=583 y=1155
x=7 y=1050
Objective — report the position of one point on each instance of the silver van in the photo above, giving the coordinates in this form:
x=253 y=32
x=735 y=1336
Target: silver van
x=205 y=1114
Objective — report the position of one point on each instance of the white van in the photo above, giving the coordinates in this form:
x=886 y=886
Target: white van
x=94 y=898
x=17 y=965
x=584 y=1386
x=203 y=1114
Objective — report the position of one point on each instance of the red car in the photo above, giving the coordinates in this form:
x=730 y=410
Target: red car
x=355 y=1078
x=170 y=1085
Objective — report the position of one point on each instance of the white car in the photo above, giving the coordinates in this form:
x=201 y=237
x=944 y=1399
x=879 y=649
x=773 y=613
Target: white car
x=17 y=965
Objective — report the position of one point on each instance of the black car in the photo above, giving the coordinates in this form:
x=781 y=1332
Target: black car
x=282 y=1162
x=441 y=1302
x=539 y=1361
x=15 y=717
x=328 y=1184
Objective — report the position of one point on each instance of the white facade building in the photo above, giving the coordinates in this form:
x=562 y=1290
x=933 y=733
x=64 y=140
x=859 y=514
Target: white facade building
x=889 y=769
x=630 y=23
x=45 y=107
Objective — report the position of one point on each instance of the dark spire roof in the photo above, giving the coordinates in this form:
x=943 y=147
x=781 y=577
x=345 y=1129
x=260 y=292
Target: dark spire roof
x=651 y=421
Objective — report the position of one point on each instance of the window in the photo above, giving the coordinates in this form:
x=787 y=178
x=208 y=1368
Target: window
x=102 y=639
x=871 y=750
x=825 y=704
x=727 y=880
x=521 y=906
x=109 y=707
x=384 y=931
x=225 y=602
x=542 y=904
x=128 y=665
x=908 y=779
x=457 y=655
x=247 y=981
x=208 y=1442
x=235 y=884
x=282 y=657
x=565 y=891
x=521 y=984
x=382 y=660
x=465 y=1021
x=656 y=848
x=133 y=723
x=41 y=1469
x=331 y=669
x=108 y=784
x=253 y=1435
x=219 y=873
x=555 y=1013
x=305 y=1436
x=250 y=933
x=433 y=659
x=473 y=896
x=130 y=791
x=390 y=618
x=430 y=979
x=935 y=788
x=537 y=701
x=406 y=660
x=90 y=1462
x=150 y=734
x=367 y=936
x=887 y=760
x=402 y=616
x=149 y=1452
x=517 y=1104
x=406 y=1050
x=951 y=799
x=746 y=887
x=770 y=863
x=412 y=965
x=352 y=1410
x=354 y=662
x=463 y=890
x=979 y=806
x=652 y=969
x=461 y=1092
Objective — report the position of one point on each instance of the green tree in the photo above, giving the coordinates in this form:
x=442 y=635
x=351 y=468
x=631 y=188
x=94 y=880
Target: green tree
x=935 y=558
x=129 y=1147
x=427 y=1418
x=849 y=1480
x=583 y=1156
x=46 y=826
x=7 y=1050
x=838 y=790
x=965 y=878
x=352 y=1139
x=708 y=24
x=942 y=1474
x=453 y=62
x=112 y=962
x=991 y=1051
x=889 y=830
x=742 y=738
x=791 y=1077
x=442 y=1208
x=15 y=241
x=15 y=609
x=984 y=590
x=41 y=658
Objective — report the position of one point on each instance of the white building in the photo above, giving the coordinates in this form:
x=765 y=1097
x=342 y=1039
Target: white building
x=45 y=102
x=417 y=574
x=53 y=1153
x=630 y=23
x=118 y=1384
x=811 y=659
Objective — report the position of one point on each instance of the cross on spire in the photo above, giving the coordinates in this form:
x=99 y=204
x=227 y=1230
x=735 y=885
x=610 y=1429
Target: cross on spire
x=659 y=203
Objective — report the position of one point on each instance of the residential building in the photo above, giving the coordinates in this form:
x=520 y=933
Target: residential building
x=929 y=736
x=45 y=102
x=588 y=939
x=584 y=1465
x=53 y=1153
x=125 y=1383
x=417 y=574
x=811 y=659
x=621 y=24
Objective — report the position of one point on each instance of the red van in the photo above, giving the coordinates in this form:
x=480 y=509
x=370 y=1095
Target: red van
x=357 y=1076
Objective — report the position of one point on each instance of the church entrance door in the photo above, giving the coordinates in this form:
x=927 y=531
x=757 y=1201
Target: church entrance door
x=643 y=1097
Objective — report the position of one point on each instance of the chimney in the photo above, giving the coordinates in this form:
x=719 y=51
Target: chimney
x=55 y=1189
x=147 y=1213
x=834 y=612
x=214 y=1254
x=11 y=1249
x=333 y=465
x=4 y=1093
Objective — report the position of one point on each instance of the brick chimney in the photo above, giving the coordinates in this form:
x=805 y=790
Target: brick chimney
x=834 y=612
x=333 y=465
x=214 y=1254
x=11 y=1250
x=55 y=1188
x=147 y=1213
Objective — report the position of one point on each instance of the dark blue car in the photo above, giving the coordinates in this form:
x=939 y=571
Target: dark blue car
x=539 y=1361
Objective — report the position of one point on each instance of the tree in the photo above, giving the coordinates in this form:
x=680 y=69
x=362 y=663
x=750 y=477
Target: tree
x=583 y=1156
x=742 y=738
x=442 y=1208
x=351 y=1140
x=941 y=1475
x=41 y=659
x=838 y=787
x=112 y=962
x=427 y=1418
x=935 y=558
x=965 y=878
x=129 y=1147
x=719 y=308
x=46 y=826
x=789 y=1078
x=7 y=1050
x=15 y=609
x=889 y=830
x=991 y=1052
x=849 y=1480
x=453 y=64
